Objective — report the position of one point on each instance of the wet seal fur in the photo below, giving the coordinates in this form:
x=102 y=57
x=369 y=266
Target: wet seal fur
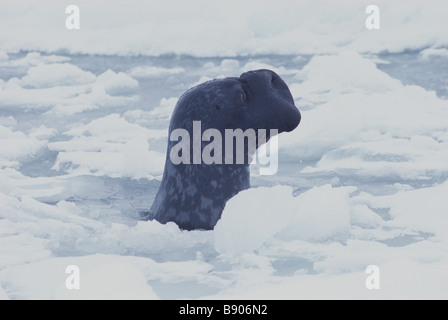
x=194 y=195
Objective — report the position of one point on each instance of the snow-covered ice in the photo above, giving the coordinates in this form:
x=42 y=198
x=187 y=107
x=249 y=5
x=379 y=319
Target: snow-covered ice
x=362 y=181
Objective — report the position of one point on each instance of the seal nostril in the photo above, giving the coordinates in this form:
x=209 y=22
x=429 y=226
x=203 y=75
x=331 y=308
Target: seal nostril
x=217 y=107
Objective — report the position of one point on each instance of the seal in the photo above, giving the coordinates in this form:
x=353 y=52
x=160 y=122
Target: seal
x=193 y=194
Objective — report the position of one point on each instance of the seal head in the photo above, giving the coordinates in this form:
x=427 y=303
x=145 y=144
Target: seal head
x=192 y=194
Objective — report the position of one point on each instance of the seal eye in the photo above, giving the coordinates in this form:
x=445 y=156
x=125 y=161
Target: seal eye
x=243 y=97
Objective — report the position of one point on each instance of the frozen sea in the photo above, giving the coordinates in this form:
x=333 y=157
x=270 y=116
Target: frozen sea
x=362 y=181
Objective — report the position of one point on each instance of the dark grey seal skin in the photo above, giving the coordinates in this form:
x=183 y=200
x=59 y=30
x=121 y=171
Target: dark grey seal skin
x=194 y=195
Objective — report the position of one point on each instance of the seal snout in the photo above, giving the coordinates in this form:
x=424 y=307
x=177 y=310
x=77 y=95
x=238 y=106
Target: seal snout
x=274 y=100
x=291 y=119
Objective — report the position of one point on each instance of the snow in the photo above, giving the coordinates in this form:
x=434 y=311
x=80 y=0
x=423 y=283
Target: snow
x=245 y=230
x=153 y=71
x=56 y=74
x=434 y=52
x=97 y=272
x=15 y=145
x=32 y=59
x=366 y=136
x=362 y=181
x=74 y=87
x=232 y=28
x=289 y=218
x=108 y=147
x=403 y=284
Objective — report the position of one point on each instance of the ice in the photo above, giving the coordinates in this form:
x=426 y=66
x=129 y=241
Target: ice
x=165 y=110
x=353 y=284
x=110 y=146
x=130 y=283
x=402 y=158
x=366 y=137
x=113 y=82
x=32 y=59
x=363 y=216
x=408 y=207
x=67 y=88
x=247 y=222
x=3 y=56
x=15 y=145
x=320 y=214
x=434 y=52
x=56 y=74
x=97 y=271
x=369 y=192
x=260 y=27
x=8 y=121
x=153 y=71
x=251 y=217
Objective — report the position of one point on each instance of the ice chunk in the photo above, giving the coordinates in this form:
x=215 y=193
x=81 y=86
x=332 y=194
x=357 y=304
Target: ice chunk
x=110 y=146
x=251 y=217
x=33 y=59
x=322 y=213
x=98 y=276
x=56 y=74
x=165 y=109
x=15 y=145
x=67 y=89
x=153 y=71
x=255 y=215
x=443 y=52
